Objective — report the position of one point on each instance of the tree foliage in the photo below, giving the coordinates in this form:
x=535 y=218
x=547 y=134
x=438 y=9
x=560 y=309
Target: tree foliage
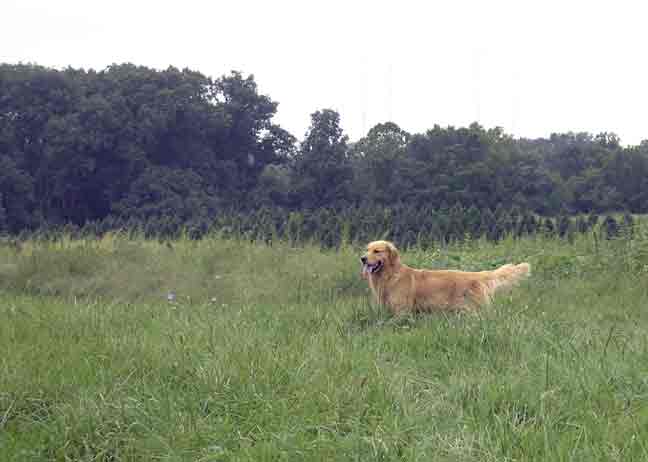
x=133 y=145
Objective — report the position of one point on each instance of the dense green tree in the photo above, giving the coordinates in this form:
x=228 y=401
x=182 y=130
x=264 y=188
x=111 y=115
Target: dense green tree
x=473 y=221
x=322 y=169
x=592 y=220
x=549 y=228
x=251 y=140
x=159 y=149
x=378 y=160
x=16 y=196
x=627 y=224
x=4 y=223
x=163 y=192
x=610 y=227
x=564 y=226
x=489 y=225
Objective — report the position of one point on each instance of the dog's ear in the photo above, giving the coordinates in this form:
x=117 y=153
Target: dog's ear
x=394 y=256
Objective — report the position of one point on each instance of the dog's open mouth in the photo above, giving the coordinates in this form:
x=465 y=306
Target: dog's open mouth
x=371 y=268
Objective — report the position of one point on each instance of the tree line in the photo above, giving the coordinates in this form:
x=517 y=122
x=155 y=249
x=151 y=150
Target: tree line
x=170 y=149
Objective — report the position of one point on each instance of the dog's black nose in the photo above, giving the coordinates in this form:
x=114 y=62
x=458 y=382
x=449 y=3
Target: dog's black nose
x=363 y=259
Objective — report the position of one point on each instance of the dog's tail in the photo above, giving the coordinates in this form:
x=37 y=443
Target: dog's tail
x=507 y=276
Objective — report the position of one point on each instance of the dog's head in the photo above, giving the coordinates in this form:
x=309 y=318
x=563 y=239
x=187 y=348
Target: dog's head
x=381 y=257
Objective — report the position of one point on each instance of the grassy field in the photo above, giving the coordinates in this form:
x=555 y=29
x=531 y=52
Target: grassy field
x=275 y=353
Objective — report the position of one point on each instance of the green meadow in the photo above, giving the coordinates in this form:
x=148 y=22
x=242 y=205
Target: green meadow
x=276 y=353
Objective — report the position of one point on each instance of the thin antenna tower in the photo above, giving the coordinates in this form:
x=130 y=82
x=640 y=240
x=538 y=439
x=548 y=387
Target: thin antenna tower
x=516 y=102
x=477 y=55
x=389 y=92
x=365 y=97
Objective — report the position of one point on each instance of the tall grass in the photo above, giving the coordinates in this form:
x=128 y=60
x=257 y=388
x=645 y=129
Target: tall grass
x=275 y=353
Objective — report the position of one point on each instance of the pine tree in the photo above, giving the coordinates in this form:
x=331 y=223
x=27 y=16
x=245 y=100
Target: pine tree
x=592 y=221
x=564 y=224
x=504 y=224
x=473 y=220
x=533 y=224
x=610 y=227
x=581 y=225
x=627 y=225
x=548 y=227
x=4 y=228
x=527 y=225
x=456 y=216
x=488 y=225
x=516 y=215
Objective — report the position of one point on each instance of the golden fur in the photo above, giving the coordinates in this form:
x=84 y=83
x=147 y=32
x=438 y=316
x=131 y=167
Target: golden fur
x=404 y=289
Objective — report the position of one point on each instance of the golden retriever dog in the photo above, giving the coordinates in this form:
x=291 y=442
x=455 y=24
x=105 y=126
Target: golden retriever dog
x=404 y=289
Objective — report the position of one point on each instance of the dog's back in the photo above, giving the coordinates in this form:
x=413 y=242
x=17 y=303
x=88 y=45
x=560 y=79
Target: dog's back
x=453 y=289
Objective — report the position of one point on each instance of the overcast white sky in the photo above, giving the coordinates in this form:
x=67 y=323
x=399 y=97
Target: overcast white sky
x=530 y=67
